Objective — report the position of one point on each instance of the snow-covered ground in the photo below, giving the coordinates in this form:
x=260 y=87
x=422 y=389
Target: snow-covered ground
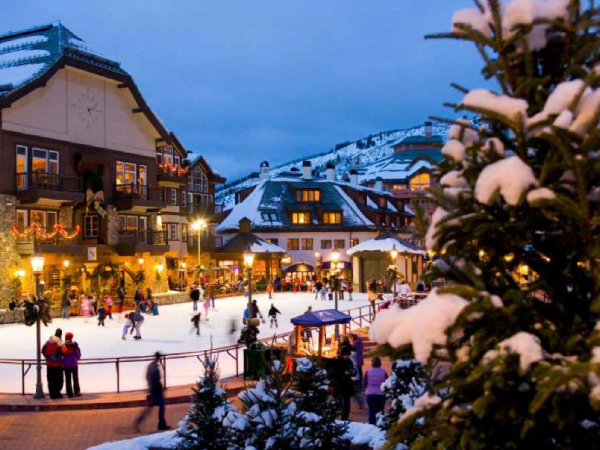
x=169 y=332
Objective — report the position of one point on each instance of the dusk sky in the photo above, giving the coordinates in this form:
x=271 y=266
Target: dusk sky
x=243 y=81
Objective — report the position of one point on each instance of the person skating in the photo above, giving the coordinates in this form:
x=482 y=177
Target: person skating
x=121 y=297
x=129 y=324
x=273 y=316
x=155 y=395
x=71 y=356
x=270 y=290
x=101 y=315
x=256 y=312
x=137 y=299
x=138 y=320
x=206 y=306
x=108 y=302
x=52 y=351
x=195 y=296
x=196 y=321
x=66 y=304
x=318 y=287
x=341 y=380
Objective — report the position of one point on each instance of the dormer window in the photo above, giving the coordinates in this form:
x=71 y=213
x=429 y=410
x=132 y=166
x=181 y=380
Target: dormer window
x=269 y=216
x=332 y=218
x=382 y=202
x=420 y=182
x=301 y=218
x=308 y=195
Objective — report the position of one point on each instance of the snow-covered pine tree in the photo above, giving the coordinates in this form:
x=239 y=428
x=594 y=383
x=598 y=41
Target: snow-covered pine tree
x=315 y=419
x=268 y=409
x=408 y=380
x=519 y=195
x=203 y=428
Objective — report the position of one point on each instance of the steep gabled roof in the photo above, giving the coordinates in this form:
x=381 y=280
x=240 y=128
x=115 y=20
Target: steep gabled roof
x=30 y=57
x=212 y=175
x=401 y=166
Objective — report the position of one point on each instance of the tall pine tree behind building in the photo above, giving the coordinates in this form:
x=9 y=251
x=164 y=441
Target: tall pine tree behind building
x=517 y=232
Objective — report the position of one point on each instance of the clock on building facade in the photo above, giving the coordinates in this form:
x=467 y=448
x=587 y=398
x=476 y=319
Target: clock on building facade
x=88 y=109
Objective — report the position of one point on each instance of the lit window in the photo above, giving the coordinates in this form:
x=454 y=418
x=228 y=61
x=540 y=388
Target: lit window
x=307 y=244
x=332 y=218
x=273 y=241
x=198 y=181
x=173 y=196
x=354 y=241
x=173 y=232
x=419 y=182
x=308 y=195
x=301 y=218
x=293 y=244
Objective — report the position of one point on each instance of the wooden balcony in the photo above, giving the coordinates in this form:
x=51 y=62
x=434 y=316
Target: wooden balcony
x=50 y=188
x=54 y=245
x=172 y=174
x=137 y=197
x=132 y=242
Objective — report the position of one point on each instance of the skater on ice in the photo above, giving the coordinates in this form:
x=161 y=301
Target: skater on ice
x=273 y=316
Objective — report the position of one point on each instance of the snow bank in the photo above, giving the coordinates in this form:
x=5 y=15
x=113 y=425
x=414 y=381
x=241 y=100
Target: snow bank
x=540 y=194
x=363 y=433
x=424 y=325
x=157 y=440
x=511 y=175
x=431 y=239
x=483 y=100
x=524 y=344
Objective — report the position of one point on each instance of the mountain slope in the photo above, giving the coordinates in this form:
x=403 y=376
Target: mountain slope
x=344 y=156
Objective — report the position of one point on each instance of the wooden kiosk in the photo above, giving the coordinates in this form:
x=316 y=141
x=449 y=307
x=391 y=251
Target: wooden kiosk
x=320 y=320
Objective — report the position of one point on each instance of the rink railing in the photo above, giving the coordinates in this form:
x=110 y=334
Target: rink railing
x=360 y=316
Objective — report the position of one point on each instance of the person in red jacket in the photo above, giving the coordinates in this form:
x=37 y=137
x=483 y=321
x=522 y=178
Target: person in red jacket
x=52 y=351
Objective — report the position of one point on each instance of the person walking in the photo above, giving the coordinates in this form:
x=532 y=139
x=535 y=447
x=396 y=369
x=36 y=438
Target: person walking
x=66 y=304
x=358 y=346
x=155 y=395
x=52 y=351
x=196 y=321
x=108 y=302
x=71 y=357
x=273 y=316
x=195 y=296
x=101 y=314
x=372 y=381
x=341 y=380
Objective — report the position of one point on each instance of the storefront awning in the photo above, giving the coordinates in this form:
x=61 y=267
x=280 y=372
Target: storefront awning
x=300 y=267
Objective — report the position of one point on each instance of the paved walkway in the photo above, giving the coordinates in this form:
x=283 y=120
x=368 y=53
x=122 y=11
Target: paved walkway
x=81 y=429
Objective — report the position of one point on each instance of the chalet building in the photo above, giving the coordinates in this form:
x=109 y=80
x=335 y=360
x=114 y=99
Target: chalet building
x=306 y=214
x=408 y=171
x=92 y=176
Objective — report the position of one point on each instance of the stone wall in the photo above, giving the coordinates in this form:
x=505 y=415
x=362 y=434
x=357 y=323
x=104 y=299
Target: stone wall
x=10 y=259
x=112 y=227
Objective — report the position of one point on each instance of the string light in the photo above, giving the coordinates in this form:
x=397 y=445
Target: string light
x=59 y=230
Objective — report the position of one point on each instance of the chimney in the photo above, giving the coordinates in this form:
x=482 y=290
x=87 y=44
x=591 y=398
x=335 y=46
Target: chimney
x=379 y=184
x=306 y=170
x=428 y=130
x=330 y=172
x=245 y=225
x=264 y=170
x=353 y=176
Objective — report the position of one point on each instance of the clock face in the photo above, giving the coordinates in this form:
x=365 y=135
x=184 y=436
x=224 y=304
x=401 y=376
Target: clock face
x=87 y=109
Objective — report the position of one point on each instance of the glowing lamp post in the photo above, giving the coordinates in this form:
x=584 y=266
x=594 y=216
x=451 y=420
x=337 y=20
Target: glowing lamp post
x=198 y=226
x=335 y=257
x=394 y=256
x=318 y=265
x=37 y=267
x=249 y=262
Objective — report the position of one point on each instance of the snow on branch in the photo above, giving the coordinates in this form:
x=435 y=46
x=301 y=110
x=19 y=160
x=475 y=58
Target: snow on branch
x=511 y=176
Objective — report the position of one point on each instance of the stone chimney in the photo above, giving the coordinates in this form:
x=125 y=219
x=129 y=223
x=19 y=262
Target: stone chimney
x=353 y=176
x=428 y=130
x=264 y=170
x=245 y=225
x=330 y=172
x=379 y=184
x=306 y=170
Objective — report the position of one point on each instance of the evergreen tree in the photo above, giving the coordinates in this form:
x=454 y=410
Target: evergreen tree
x=517 y=233
x=203 y=427
x=268 y=409
x=315 y=419
x=407 y=382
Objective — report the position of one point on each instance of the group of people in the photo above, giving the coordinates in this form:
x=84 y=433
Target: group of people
x=62 y=362
x=348 y=380
x=205 y=295
x=326 y=289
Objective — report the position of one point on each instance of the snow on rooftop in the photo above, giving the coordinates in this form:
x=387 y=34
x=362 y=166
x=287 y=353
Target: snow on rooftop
x=349 y=204
x=18 y=75
x=424 y=325
x=22 y=42
x=21 y=55
x=383 y=245
x=391 y=207
x=265 y=247
x=371 y=203
x=248 y=208
x=82 y=45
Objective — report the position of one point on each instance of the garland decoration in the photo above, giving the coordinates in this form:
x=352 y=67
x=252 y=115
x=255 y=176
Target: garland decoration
x=59 y=230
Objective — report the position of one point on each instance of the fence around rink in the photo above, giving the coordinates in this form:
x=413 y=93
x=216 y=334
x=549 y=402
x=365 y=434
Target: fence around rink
x=360 y=316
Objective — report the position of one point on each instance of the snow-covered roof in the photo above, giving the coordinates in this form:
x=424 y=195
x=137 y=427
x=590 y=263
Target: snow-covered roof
x=26 y=54
x=385 y=243
x=401 y=166
x=244 y=242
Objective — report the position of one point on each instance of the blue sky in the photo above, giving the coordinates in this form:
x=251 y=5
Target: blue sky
x=242 y=81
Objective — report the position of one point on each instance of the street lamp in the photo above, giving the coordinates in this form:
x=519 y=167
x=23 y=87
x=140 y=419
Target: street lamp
x=318 y=265
x=335 y=257
x=394 y=256
x=66 y=263
x=198 y=226
x=249 y=261
x=141 y=261
x=37 y=266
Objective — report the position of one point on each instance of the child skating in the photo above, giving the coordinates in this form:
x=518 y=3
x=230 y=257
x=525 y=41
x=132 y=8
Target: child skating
x=196 y=321
x=273 y=316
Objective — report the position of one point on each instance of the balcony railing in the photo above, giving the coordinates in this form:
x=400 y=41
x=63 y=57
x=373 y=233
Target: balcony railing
x=207 y=242
x=144 y=237
x=50 y=237
x=169 y=172
x=204 y=208
x=131 y=191
x=48 y=181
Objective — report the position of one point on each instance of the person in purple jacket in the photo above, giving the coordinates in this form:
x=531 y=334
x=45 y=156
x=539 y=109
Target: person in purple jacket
x=357 y=345
x=372 y=381
x=71 y=355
